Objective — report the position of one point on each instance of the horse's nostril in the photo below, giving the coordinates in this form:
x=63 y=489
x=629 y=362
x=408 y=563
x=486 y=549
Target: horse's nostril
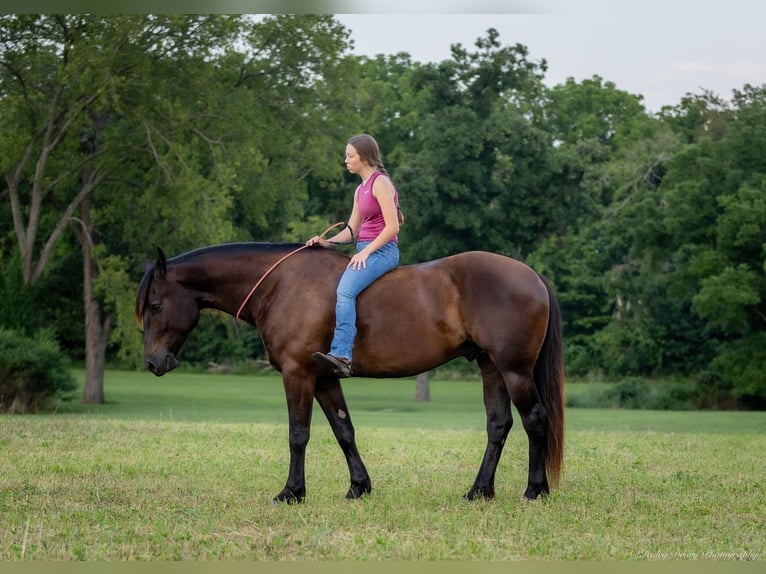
x=156 y=367
x=162 y=364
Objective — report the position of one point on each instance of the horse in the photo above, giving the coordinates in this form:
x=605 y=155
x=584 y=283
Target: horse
x=482 y=306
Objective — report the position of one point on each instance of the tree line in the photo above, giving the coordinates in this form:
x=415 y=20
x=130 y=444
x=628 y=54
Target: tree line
x=121 y=133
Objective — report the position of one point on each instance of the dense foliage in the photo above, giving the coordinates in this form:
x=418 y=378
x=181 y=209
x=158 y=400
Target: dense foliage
x=122 y=133
x=33 y=372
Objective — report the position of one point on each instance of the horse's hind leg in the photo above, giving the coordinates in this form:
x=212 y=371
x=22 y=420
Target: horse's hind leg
x=329 y=395
x=535 y=420
x=497 y=402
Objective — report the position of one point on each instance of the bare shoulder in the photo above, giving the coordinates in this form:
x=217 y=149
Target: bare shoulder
x=382 y=184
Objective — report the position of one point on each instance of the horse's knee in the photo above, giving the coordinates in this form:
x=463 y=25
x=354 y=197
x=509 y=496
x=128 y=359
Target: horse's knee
x=299 y=437
x=346 y=436
x=498 y=426
x=497 y=433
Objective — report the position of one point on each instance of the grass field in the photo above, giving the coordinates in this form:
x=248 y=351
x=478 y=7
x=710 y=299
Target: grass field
x=184 y=467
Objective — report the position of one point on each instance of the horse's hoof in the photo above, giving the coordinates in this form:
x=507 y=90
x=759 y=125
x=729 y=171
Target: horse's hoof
x=287 y=497
x=479 y=492
x=358 y=491
x=533 y=494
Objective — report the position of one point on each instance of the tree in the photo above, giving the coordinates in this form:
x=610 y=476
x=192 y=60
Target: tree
x=695 y=269
x=80 y=117
x=422 y=388
x=152 y=130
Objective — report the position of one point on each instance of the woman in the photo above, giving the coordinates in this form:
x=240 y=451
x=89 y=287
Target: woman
x=375 y=215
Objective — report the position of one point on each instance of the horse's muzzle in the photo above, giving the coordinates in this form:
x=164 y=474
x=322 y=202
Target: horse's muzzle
x=161 y=365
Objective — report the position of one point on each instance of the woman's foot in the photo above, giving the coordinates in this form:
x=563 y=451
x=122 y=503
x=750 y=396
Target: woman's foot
x=338 y=366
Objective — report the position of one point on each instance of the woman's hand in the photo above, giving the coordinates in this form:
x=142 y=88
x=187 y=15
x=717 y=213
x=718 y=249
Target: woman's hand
x=358 y=260
x=317 y=240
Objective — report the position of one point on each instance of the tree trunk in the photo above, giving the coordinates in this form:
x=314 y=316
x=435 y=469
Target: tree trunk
x=97 y=323
x=423 y=390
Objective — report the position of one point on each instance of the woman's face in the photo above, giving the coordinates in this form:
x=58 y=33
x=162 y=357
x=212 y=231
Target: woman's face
x=354 y=163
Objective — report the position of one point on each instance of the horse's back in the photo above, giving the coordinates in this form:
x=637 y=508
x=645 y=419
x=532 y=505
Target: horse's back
x=471 y=276
x=445 y=308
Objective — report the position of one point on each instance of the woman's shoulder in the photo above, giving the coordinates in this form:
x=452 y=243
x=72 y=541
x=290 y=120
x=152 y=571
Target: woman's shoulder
x=382 y=181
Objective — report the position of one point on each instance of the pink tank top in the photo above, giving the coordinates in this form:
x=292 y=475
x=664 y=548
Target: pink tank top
x=369 y=208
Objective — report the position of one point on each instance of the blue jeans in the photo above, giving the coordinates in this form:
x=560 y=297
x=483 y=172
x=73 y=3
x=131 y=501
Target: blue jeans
x=353 y=282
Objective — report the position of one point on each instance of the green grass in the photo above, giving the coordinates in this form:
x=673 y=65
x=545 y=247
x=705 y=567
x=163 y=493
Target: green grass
x=184 y=467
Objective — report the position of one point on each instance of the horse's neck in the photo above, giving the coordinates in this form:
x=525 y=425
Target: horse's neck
x=222 y=281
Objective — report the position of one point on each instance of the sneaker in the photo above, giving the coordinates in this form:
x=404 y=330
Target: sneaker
x=338 y=366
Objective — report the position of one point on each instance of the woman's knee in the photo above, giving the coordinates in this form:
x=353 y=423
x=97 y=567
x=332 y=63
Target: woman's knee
x=346 y=295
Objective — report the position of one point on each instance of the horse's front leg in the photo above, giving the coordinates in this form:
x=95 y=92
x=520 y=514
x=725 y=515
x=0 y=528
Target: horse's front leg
x=299 y=391
x=329 y=395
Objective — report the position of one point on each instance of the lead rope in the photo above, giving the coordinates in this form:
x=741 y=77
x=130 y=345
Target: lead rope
x=270 y=269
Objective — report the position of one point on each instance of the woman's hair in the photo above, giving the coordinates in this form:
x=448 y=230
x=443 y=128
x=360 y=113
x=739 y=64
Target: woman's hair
x=368 y=150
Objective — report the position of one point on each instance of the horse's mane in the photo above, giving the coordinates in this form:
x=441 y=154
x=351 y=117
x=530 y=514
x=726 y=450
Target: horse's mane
x=242 y=248
x=234 y=249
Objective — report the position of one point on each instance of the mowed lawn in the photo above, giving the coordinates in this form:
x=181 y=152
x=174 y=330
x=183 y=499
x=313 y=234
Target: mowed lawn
x=185 y=467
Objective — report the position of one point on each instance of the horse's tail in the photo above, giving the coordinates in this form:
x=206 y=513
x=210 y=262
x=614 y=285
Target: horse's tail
x=549 y=380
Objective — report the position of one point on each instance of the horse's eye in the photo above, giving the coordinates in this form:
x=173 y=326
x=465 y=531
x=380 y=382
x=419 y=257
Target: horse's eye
x=155 y=307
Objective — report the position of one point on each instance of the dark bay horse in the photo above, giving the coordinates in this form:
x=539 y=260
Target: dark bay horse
x=477 y=305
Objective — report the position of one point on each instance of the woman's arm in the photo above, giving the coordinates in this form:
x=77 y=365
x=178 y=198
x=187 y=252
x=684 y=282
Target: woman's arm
x=345 y=235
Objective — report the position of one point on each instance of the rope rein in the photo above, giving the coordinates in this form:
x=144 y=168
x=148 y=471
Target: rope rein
x=270 y=269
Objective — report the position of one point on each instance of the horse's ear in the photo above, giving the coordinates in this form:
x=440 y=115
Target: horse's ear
x=161 y=265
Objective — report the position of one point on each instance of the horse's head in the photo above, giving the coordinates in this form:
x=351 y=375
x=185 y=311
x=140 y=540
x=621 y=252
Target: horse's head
x=167 y=311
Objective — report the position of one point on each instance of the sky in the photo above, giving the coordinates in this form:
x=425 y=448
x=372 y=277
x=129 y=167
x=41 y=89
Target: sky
x=661 y=50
